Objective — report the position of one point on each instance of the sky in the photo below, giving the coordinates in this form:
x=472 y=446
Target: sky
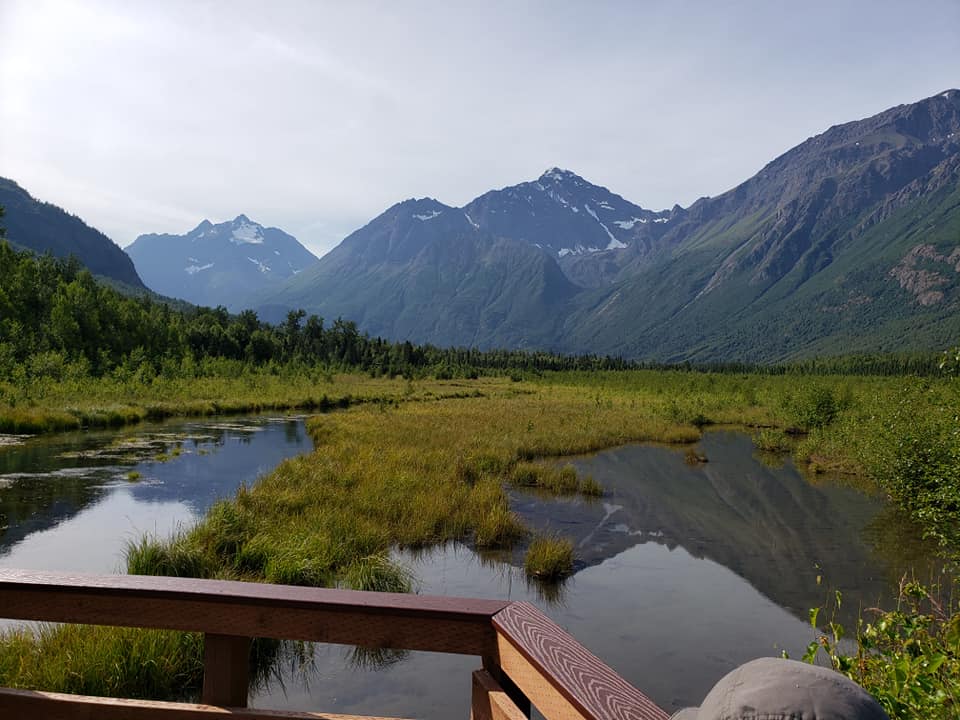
x=314 y=117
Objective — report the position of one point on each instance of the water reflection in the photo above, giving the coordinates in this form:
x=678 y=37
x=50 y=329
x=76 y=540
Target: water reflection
x=765 y=523
x=72 y=501
x=684 y=572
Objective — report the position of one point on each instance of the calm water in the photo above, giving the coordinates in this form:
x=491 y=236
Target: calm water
x=684 y=571
x=67 y=503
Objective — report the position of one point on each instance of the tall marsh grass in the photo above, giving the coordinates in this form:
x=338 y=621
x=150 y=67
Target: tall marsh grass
x=413 y=464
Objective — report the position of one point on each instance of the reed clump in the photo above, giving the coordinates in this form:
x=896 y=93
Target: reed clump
x=412 y=465
x=105 y=661
x=549 y=558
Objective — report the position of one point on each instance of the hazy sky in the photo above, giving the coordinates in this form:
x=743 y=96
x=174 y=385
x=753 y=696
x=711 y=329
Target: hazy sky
x=315 y=117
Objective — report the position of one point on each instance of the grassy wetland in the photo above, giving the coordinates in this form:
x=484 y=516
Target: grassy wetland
x=417 y=446
x=411 y=463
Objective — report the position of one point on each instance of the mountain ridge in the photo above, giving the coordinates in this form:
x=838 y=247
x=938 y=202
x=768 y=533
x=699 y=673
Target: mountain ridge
x=827 y=240
x=42 y=227
x=218 y=264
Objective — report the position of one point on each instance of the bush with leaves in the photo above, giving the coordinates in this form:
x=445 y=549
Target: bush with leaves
x=908 y=658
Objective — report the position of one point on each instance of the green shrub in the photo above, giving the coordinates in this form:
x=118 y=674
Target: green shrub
x=907 y=658
x=814 y=407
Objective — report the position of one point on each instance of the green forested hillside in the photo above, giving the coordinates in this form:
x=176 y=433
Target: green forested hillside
x=55 y=317
x=42 y=227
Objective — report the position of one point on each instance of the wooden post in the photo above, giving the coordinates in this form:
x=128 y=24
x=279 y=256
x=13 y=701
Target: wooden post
x=490 y=702
x=492 y=668
x=226 y=670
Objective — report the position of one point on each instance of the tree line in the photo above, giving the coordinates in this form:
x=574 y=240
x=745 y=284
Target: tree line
x=53 y=308
x=53 y=311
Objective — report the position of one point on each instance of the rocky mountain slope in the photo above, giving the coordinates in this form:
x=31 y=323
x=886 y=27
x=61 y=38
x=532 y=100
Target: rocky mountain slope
x=424 y=270
x=219 y=264
x=41 y=227
x=848 y=242
x=832 y=246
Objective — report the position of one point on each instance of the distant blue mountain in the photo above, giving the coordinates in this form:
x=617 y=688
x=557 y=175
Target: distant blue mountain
x=223 y=264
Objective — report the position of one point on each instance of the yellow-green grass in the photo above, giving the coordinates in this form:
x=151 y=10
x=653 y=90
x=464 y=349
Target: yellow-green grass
x=407 y=475
x=72 y=403
x=549 y=558
x=390 y=472
x=94 y=660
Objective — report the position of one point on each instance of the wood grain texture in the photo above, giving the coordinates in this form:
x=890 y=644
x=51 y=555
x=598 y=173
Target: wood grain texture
x=490 y=702
x=58 y=706
x=393 y=620
x=226 y=670
x=561 y=677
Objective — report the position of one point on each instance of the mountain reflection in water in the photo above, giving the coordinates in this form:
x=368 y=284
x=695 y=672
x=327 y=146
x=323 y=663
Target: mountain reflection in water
x=769 y=525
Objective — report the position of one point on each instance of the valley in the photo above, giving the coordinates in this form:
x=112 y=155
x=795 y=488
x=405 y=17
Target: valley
x=548 y=393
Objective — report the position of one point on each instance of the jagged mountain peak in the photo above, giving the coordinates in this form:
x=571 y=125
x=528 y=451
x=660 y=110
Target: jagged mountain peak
x=239 y=231
x=219 y=264
x=560 y=175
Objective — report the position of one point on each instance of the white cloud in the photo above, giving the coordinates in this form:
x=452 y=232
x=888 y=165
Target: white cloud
x=314 y=117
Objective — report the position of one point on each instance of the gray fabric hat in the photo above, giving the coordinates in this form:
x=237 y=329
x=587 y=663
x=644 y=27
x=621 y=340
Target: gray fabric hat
x=775 y=689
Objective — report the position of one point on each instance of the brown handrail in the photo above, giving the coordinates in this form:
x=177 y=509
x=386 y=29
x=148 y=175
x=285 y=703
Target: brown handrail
x=524 y=653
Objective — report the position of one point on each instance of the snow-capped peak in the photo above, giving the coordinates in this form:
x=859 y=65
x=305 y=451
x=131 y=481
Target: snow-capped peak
x=557 y=175
x=246 y=232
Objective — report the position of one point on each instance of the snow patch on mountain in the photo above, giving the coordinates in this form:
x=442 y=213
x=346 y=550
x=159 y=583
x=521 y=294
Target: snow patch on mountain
x=614 y=244
x=580 y=250
x=263 y=267
x=247 y=233
x=194 y=269
x=428 y=216
x=628 y=224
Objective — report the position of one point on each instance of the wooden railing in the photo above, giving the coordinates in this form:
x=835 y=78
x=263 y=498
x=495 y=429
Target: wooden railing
x=525 y=656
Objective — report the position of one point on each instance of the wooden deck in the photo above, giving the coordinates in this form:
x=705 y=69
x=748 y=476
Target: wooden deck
x=525 y=657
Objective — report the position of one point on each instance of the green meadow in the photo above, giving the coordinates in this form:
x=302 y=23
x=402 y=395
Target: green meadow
x=416 y=462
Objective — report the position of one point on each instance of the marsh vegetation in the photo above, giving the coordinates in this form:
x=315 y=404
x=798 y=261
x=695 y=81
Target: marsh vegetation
x=417 y=446
x=421 y=462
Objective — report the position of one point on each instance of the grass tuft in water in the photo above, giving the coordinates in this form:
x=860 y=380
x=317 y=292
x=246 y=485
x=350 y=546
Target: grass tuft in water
x=549 y=558
x=378 y=573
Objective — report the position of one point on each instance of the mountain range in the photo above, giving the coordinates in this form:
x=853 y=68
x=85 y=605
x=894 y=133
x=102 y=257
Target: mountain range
x=849 y=242
x=219 y=264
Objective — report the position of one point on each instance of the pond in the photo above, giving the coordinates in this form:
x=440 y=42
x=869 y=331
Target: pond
x=684 y=570
x=73 y=501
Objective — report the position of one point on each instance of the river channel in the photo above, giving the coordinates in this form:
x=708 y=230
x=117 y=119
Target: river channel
x=684 y=570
